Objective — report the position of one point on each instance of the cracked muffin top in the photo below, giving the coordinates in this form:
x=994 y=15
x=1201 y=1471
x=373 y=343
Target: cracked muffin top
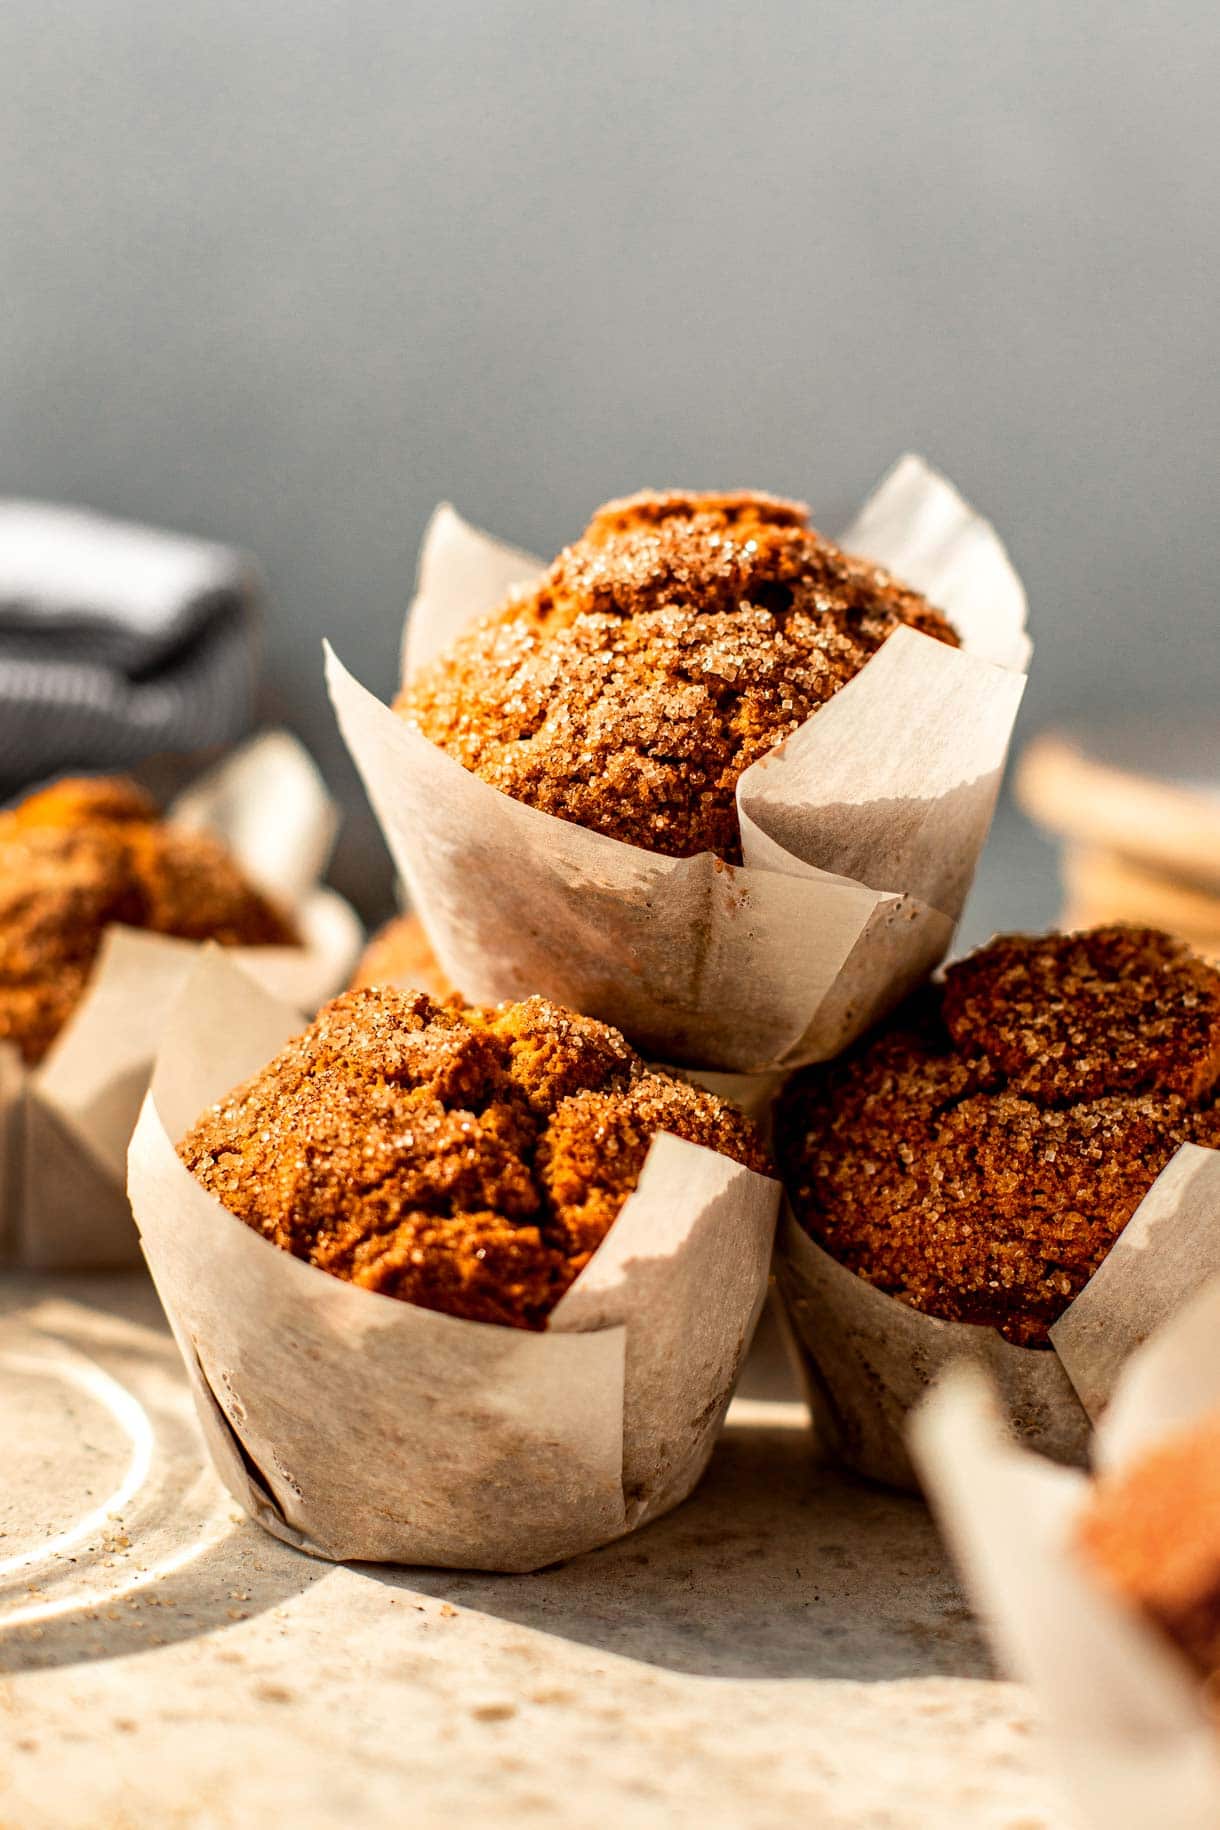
x=978 y=1155
x=1152 y=1532
x=91 y=851
x=682 y=637
x=467 y=1160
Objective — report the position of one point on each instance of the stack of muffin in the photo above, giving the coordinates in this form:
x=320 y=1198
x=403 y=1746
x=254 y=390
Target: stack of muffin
x=679 y=641
x=517 y=1168
x=966 y=1153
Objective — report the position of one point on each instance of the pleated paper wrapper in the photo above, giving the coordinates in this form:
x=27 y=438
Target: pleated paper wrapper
x=1129 y=1727
x=356 y=1426
x=860 y=833
x=65 y=1125
x=869 y=1359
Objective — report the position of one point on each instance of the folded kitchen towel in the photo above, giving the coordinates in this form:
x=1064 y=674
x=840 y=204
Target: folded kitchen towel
x=117 y=641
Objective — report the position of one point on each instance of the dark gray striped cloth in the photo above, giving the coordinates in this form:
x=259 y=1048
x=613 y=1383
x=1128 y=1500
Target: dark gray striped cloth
x=118 y=641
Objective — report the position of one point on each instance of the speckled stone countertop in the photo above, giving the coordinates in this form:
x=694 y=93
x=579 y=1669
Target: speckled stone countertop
x=789 y=1647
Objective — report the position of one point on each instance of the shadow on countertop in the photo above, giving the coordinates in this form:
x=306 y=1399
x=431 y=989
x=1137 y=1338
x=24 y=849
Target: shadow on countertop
x=777 y=1567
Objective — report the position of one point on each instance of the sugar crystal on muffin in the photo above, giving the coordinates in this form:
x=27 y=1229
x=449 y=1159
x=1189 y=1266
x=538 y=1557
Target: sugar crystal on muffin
x=978 y=1155
x=678 y=641
x=466 y=1160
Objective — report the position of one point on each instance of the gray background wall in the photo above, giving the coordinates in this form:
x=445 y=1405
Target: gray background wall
x=288 y=273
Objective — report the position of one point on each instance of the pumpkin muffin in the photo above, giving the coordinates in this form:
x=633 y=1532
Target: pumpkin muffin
x=88 y=852
x=682 y=637
x=1152 y=1533
x=466 y=1160
x=399 y=953
x=979 y=1154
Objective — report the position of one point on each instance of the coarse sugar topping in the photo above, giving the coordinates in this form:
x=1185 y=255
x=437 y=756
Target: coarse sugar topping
x=978 y=1155
x=681 y=638
x=467 y=1160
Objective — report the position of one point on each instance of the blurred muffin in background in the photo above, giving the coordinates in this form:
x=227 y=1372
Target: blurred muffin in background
x=400 y=954
x=86 y=853
x=1152 y=1533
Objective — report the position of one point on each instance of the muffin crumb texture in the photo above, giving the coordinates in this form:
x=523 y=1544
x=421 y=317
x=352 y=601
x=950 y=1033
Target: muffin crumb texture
x=91 y=851
x=979 y=1155
x=681 y=638
x=466 y=1160
x=1152 y=1532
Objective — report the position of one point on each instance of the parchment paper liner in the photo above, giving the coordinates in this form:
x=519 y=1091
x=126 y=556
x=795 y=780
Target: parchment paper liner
x=868 y=1359
x=1126 y=1720
x=65 y=1126
x=358 y=1427
x=860 y=833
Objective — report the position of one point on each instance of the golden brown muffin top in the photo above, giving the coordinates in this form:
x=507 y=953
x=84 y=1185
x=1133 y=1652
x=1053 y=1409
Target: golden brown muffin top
x=979 y=1154
x=399 y=953
x=467 y=1160
x=681 y=638
x=88 y=852
x=1153 y=1534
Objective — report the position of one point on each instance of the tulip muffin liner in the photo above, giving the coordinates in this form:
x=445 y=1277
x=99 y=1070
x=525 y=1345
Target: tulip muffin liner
x=357 y=1426
x=860 y=833
x=1131 y=1730
x=65 y=1125
x=868 y=1359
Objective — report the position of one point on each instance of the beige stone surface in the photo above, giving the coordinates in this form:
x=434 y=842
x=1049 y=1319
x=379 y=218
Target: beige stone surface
x=789 y=1647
